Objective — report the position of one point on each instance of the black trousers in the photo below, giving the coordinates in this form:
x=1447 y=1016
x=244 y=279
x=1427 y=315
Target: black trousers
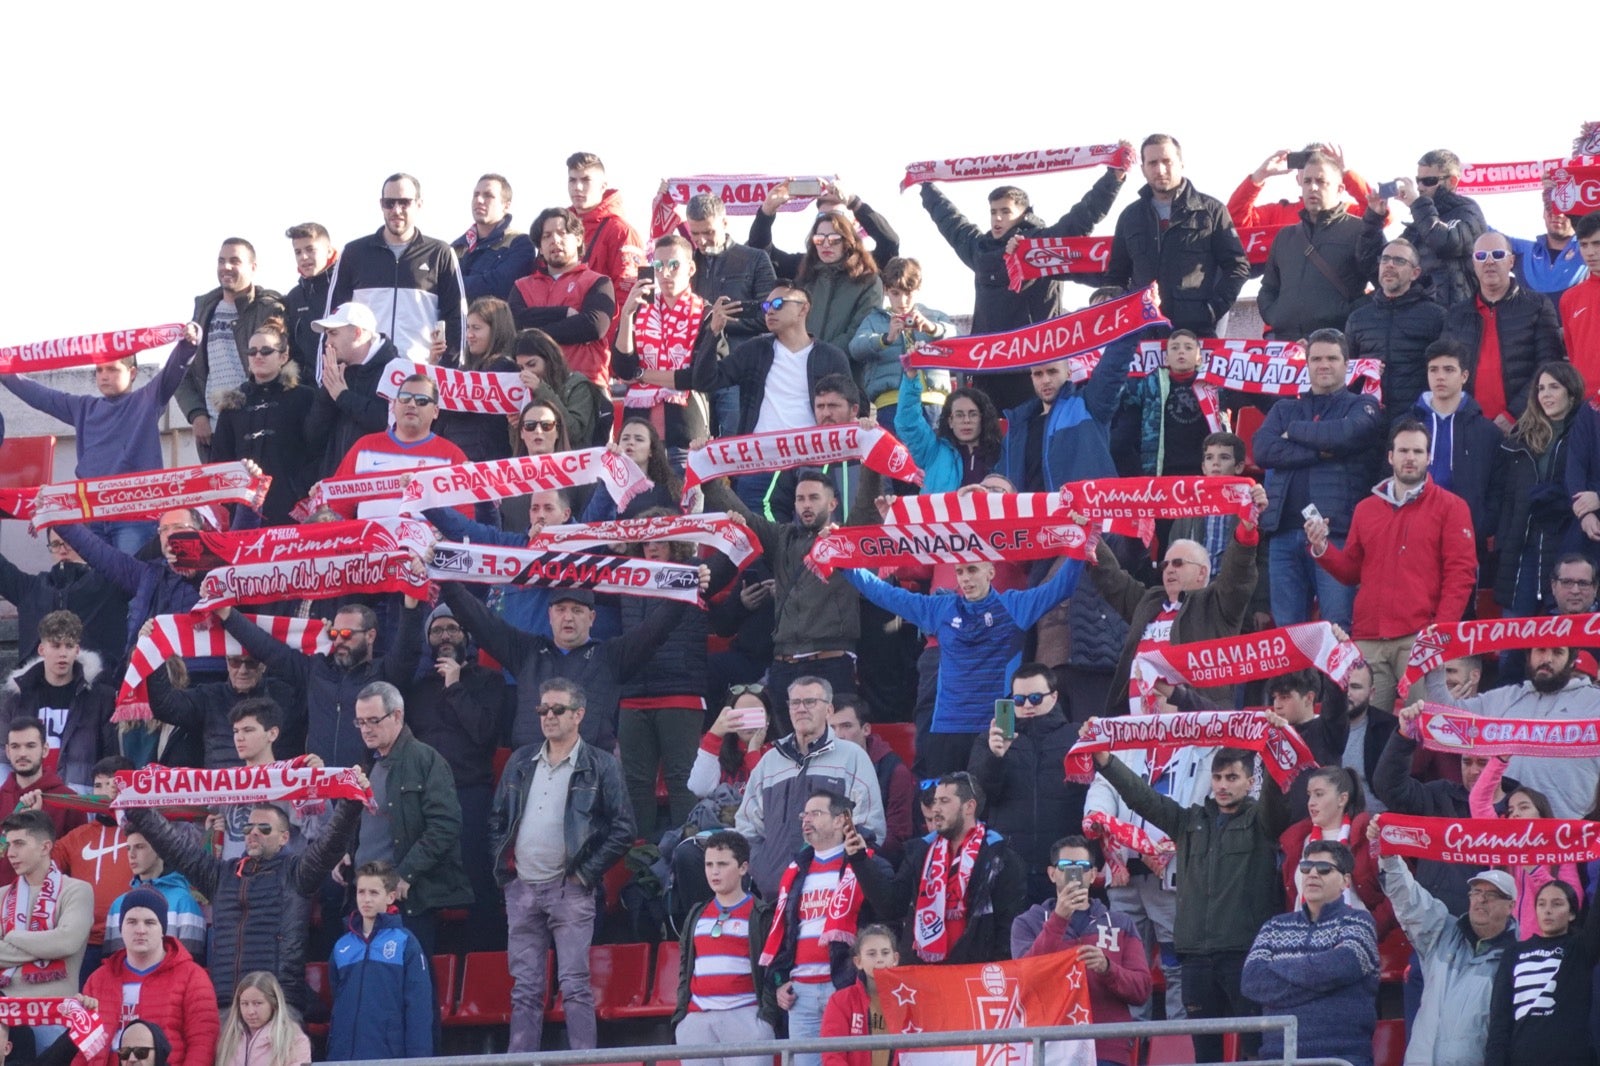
x=1211 y=990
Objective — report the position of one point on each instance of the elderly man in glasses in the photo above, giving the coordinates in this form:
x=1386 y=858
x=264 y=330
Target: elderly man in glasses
x=1442 y=228
x=410 y=444
x=550 y=855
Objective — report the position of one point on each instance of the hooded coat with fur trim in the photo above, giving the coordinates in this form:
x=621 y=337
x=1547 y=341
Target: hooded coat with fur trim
x=86 y=734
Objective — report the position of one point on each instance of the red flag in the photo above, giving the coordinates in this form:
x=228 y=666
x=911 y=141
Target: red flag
x=1043 y=990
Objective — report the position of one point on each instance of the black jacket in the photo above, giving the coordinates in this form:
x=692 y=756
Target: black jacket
x=1401 y=793
x=1198 y=260
x=99 y=604
x=995 y=308
x=1530 y=334
x=462 y=722
x=677 y=666
x=1531 y=509
x=496 y=261
x=424 y=822
x=1397 y=331
x=330 y=689
x=1028 y=802
x=268 y=424
x=767 y=1008
x=597 y=819
x=409 y=295
x=202 y=712
x=335 y=425
x=1443 y=228
x=304 y=304
x=88 y=733
x=1297 y=298
x=747 y=366
x=261 y=305
x=260 y=908
x=740 y=273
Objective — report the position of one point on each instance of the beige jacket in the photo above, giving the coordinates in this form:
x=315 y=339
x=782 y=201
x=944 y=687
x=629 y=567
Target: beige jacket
x=66 y=941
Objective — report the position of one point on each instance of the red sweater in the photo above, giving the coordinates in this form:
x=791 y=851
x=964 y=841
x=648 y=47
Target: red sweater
x=1416 y=564
x=1365 y=882
x=11 y=794
x=177 y=995
x=1580 y=328
x=384 y=451
x=1126 y=982
x=97 y=854
x=846 y=1014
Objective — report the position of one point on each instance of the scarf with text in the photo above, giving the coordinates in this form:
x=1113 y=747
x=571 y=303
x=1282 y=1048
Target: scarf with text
x=714 y=530
x=279 y=782
x=140 y=495
x=941 y=914
x=88 y=349
x=972 y=507
x=83 y=1025
x=1130 y=505
x=1284 y=755
x=1575 y=190
x=665 y=337
x=1487 y=179
x=198 y=551
x=838 y=924
x=1120 y=834
x=1016 y=164
x=487 y=564
x=1044 y=342
x=1049 y=257
x=781 y=449
x=477 y=392
x=41 y=919
x=319 y=578
x=1444 y=728
x=1257 y=367
x=741 y=194
x=1236 y=660
x=199 y=636
x=1437 y=644
x=101 y=807
x=1490 y=841
x=1004 y=540
x=497 y=479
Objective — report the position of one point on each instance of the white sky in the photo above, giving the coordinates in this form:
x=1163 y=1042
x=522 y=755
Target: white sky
x=138 y=136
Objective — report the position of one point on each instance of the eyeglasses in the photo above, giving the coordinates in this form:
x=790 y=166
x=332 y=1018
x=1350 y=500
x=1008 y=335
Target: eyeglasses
x=262 y=352
x=547 y=710
x=1032 y=699
x=1321 y=869
x=1180 y=563
x=543 y=425
x=777 y=302
x=1073 y=864
x=345 y=634
x=239 y=662
x=1394 y=261
x=1487 y=895
x=1574 y=583
x=389 y=203
x=827 y=240
x=140 y=1053
x=809 y=703
x=443 y=630
x=372 y=723
x=667 y=266
x=1496 y=254
x=416 y=399
x=260 y=829
x=59 y=546
x=1428 y=183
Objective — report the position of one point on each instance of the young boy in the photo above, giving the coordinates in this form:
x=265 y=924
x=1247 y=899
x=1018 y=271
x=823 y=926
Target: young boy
x=723 y=994
x=857 y=1010
x=886 y=335
x=1168 y=403
x=59 y=689
x=382 y=993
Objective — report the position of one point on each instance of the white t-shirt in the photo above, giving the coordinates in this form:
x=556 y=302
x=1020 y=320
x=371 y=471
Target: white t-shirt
x=786 y=403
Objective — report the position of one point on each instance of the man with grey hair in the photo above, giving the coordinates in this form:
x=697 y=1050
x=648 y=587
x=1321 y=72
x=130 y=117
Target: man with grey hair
x=415 y=819
x=808 y=759
x=550 y=855
x=1442 y=228
x=733 y=279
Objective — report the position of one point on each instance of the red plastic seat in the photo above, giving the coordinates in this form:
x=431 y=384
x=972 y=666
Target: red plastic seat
x=663 y=998
x=1250 y=420
x=27 y=461
x=901 y=736
x=1389 y=1042
x=1169 y=1051
x=501 y=757
x=321 y=984
x=618 y=975
x=1394 y=956
x=445 y=968
x=485 y=990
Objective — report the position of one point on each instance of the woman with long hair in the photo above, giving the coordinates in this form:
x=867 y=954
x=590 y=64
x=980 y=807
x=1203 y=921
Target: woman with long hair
x=1532 y=499
x=543 y=364
x=841 y=276
x=264 y=420
x=1521 y=802
x=639 y=441
x=260 y=1028
x=1337 y=810
x=1539 y=1008
x=490 y=334
x=965 y=445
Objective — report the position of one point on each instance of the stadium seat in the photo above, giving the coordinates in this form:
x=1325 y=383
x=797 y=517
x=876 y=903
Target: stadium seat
x=485 y=990
x=1250 y=420
x=663 y=998
x=618 y=974
x=1394 y=957
x=901 y=736
x=445 y=968
x=1168 y=1051
x=321 y=985
x=1389 y=1042
x=501 y=757
x=27 y=461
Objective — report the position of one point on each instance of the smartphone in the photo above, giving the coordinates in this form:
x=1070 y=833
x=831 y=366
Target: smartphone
x=1079 y=877
x=647 y=274
x=1311 y=513
x=1389 y=190
x=438 y=329
x=1005 y=716
x=1296 y=160
x=751 y=718
x=849 y=823
x=805 y=187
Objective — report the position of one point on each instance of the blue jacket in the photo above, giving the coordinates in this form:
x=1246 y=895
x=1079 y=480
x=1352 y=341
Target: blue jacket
x=878 y=362
x=152 y=586
x=1542 y=271
x=1325 y=973
x=496 y=261
x=185 y=920
x=382 y=994
x=944 y=465
x=980 y=642
x=1331 y=438
x=1077 y=441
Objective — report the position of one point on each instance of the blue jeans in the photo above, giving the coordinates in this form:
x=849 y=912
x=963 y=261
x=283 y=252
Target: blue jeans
x=805 y=1017
x=725 y=411
x=1296 y=579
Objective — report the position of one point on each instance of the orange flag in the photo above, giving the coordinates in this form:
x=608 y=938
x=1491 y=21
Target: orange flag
x=1022 y=993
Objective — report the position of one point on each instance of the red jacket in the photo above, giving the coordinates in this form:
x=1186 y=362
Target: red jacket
x=1416 y=564
x=846 y=1014
x=1580 y=327
x=1245 y=214
x=612 y=246
x=591 y=358
x=1365 y=881
x=177 y=995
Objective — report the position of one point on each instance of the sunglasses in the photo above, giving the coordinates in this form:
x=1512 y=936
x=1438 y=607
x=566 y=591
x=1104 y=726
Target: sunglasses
x=262 y=352
x=1073 y=864
x=668 y=266
x=241 y=662
x=556 y=710
x=1428 y=183
x=389 y=203
x=1032 y=699
x=775 y=304
x=140 y=1053
x=827 y=240
x=543 y=425
x=1496 y=254
x=261 y=829
x=415 y=399
x=735 y=691
x=345 y=634
x=1321 y=869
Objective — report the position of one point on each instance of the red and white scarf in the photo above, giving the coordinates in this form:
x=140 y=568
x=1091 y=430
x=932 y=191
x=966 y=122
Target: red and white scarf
x=83 y=1025
x=1045 y=342
x=497 y=479
x=714 y=530
x=1436 y=644
x=1123 y=835
x=665 y=338
x=1285 y=755
x=41 y=919
x=1490 y=841
x=195 y=636
x=943 y=894
x=272 y=544
x=487 y=564
x=1049 y=257
x=1260 y=368
x=838 y=924
x=972 y=507
x=1006 y=540
x=145 y=494
x=477 y=392
x=741 y=194
x=1016 y=164
x=279 y=782
x=1237 y=660
x=1130 y=505
x=781 y=449
x=1443 y=728
x=320 y=578
x=88 y=349
x=1487 y=179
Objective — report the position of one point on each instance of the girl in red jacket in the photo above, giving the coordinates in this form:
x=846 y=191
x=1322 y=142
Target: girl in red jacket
x=856 y=1010
x=1337 y=810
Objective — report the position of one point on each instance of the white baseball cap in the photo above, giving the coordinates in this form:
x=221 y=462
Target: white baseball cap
x=350 y=314
x=1498 y=880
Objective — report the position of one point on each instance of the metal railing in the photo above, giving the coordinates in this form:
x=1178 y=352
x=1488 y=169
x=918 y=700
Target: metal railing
x=785 y=1050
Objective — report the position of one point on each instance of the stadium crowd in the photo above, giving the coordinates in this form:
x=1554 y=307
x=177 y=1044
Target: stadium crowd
x=519 y=745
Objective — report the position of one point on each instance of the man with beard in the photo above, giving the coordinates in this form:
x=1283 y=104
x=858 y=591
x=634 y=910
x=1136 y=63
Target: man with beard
x=1555 y=693
x=26 y=748
x=1368 y=727
x=456 y=707
x=732 y=278
x=332 y=679
x=962 y=884
x=1396 y=325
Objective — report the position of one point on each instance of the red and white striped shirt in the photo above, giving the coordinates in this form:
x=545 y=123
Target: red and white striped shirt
x=722 y=978
x=811 y=963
